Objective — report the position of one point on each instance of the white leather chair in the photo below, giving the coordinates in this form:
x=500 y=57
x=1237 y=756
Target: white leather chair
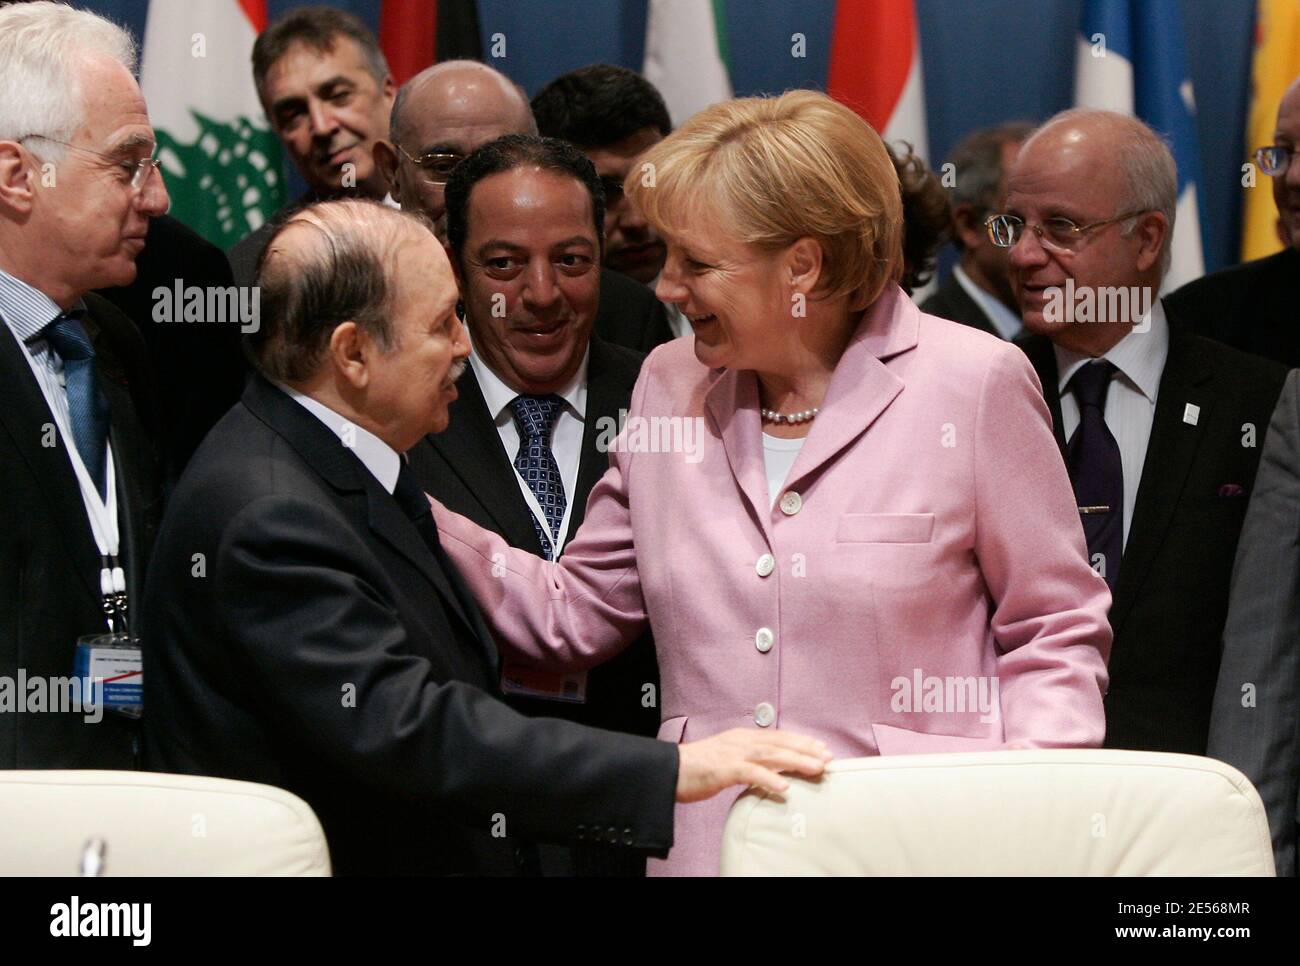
x=155 y=825
x=1030 y=813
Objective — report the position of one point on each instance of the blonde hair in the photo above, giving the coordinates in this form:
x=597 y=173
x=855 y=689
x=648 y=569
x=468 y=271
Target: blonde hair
x=777 y=169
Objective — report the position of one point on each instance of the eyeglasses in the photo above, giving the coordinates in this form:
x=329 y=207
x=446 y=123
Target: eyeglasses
x=1274 y=159
x=436 y=166
x=137 y=171
x=1057 y=234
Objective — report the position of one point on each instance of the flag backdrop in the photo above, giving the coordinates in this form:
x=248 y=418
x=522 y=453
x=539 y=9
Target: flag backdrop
x=220 y=160
x=686 y=54
x=417 y=33
x=1276 y=65
x=1130 y=58
x=875 y=68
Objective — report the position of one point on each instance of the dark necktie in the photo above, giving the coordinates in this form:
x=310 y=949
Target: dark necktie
x=1096 y=470
x=87 y=406
x=535 y=416
x=410 y=497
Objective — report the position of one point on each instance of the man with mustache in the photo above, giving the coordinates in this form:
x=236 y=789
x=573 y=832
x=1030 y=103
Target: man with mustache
x=521 y=453
x=327 y=92
x=1252 y=306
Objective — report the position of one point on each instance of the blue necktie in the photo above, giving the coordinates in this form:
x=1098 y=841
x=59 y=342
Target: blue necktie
x=87 y=406
x=1096 y=469
x=535 y=416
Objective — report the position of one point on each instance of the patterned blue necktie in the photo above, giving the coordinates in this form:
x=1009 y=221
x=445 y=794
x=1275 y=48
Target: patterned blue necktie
x=535 y=416
x=87 y=406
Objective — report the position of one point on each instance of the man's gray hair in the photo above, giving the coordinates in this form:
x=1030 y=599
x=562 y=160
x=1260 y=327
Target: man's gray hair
x=977 y=163
x=325 y=265
x=42 y=48
x=1143 y=157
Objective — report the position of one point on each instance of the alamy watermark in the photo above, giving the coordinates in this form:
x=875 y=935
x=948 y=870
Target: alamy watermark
x=213 y=304
x=651 y=434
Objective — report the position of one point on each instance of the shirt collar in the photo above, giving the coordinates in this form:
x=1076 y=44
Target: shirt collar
x=499 y=396
x=26 y=310
x=1004 y=320
x=378 y=457
x=1140 y=356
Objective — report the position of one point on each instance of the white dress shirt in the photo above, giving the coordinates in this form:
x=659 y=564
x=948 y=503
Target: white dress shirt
x=26 y=311
x=378 y=457
x=566 y=435
x=1139 y=358
x=1006 y=322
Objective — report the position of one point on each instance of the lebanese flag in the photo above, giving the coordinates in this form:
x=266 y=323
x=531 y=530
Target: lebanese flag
x=220 y=159
x=415 y=34
x=876 y=68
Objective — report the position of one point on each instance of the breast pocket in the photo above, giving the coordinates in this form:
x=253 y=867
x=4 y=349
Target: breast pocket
x=885 y=528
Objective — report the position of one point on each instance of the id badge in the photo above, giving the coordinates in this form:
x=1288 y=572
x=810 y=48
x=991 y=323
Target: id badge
x=111 y=667
x=529 y=682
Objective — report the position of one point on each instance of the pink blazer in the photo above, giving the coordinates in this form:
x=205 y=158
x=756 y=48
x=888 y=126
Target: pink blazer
x=920 y=586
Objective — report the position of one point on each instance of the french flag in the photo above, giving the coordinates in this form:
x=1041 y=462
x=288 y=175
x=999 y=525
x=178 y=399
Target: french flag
x=1130 y=58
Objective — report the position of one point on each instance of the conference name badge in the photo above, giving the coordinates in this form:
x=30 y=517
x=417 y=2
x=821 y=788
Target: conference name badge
x=112 y=669
x=527 y=682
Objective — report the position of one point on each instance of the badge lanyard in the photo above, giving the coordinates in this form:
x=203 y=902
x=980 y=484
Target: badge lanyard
x=101 y=513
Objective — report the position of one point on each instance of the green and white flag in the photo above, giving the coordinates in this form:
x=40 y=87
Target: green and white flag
x=220 y=160
x=686 y=54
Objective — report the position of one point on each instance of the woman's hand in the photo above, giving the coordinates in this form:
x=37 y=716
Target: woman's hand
x=746 y=756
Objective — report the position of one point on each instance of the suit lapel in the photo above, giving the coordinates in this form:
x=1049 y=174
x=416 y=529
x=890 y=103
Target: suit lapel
x=26 y=415
x=341 y=469
x=133 y=459
x=1043 y=358
x=1169 y=457
x=471 y=447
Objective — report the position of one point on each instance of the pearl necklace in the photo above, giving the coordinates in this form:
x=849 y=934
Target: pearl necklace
x=774 y=417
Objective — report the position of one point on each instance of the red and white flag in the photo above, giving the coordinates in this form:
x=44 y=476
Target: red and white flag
x=876 y=68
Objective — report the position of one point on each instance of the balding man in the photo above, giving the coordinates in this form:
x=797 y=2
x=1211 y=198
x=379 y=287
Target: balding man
x=78 y=187
x=1160 y=429
x=304 y=627
x=1253 y=306
x=441 y=116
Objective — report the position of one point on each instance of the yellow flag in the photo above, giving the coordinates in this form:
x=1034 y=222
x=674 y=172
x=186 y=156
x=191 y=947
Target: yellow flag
x=1277 y=64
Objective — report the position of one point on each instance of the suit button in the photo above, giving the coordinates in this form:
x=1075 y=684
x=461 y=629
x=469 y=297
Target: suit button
x=764 y=639
x=627 y=839
x=764 y=715
x=791 y=503
x=582 y=833
x=612 y=836
x=766 y=564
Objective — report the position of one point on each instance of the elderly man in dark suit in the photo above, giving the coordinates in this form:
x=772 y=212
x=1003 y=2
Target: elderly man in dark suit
x=439 y=117
x=78 y=467
x=1253 y=306
x=1161 y=429
x=1256 y=720
x=304 y=627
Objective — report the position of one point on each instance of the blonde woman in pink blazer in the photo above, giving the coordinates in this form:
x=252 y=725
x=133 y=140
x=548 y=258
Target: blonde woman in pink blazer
x=864 y=532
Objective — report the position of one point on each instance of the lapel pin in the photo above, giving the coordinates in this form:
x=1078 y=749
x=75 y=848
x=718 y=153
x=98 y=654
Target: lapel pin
x=1191 y=414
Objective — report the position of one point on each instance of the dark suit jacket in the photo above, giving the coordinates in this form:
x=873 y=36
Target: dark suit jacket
x=317 y=644
x=1171 y=598
x=467 y=470
x=629 y=314
x=950 y=301
x=1261 y=642
x=49 y=564
x=1252 y=306
x=199 y=367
